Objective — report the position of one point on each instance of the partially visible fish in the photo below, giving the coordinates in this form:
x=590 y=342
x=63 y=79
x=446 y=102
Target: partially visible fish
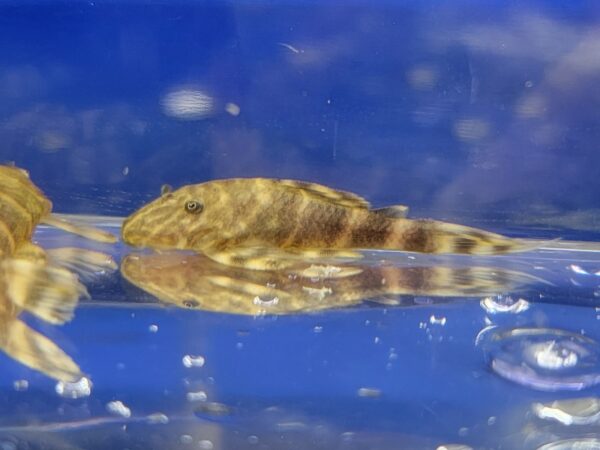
x=37 y=281
x=261 y=223
x=194 y=281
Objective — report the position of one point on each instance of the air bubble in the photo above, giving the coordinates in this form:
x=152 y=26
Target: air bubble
x=579 y=411
x=252 y=439
x=504 y=304
x=153 y=328
x=573 y=444
x=186 y=439
x=543 y=359
x=205 y=444
x=158 y=418
x=193 y=361
x=368 y=392
x=454 y=447
x=78 y=389
x=21 y=385
x=118 y=408
x=199 y=396
x=273 y=301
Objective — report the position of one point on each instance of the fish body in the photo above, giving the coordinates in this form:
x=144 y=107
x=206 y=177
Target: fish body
x=265 y=223
x=32 y=279
x=195 y=281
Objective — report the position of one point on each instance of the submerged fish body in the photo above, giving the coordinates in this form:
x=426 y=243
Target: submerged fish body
x=262 y=223
x=195 y=281
x=37 y=281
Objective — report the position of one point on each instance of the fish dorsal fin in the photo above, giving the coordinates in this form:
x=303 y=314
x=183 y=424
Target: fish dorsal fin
x=394 y=212
x=324 y=193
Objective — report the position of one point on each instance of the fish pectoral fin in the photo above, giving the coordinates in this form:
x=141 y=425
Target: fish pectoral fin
x=324 y=193
x=36 y=351
x=88 y=264
x=48 y=292
x=269 y=258
x=393 y=212
x=329 y=271
x=85 y=231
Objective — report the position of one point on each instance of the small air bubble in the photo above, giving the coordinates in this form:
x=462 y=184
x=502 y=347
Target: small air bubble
x=21 y=385
x=193 y=361
x=491 y=420
x=463 y=431
x=153 y=328
x=252 y=439
x=199 y=396
x=186 y=439
x=318 y=329
x=158 y=418
x=369 y=392
x=437 y=320
x=126 y=170
x=233 y=109
x=77 y=389
x=205 y=444
x=118 y=408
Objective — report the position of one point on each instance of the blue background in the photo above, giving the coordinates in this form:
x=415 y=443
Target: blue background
x=466 y=111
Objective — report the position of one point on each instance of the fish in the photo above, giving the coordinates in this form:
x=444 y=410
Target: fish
x=262 y=224
x=193 y=281
x=38 y=281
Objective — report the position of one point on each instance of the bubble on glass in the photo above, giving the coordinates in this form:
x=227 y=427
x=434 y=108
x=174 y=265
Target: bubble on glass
x=188 y=104
x=454 y=447
x=118 y=408
x=193 y=361
x=20 y=385
x=472 y=129
x=153 y=328
x=186 y=439
x=199 y=396
x=212 y=409
x=157 y=418
x=433 y=320
x=573 y=444
x=368 y=392
x=542 y=358
x=578 y=269
x=205 y=444
x=232 y=109
x=504 y=304
x=78 y=389
x=422 y=78
x=266 y=301
x=578 y=411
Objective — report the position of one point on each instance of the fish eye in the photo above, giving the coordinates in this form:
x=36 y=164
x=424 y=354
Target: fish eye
x=193 y=206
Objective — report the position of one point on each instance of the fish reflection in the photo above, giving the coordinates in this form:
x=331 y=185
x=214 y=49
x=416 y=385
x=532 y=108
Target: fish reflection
x=195 y=281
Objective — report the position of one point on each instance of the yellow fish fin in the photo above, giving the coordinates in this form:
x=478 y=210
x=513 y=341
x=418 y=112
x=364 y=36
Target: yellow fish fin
x=37 y=351
x=50 y=293
x=324 y=193
x=86 y=263
x=270 y=258
x=394 y=212
x=85 y=231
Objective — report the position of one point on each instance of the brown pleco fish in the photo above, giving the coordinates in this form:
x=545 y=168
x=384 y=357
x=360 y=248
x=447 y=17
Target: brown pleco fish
x=261 y=223
x=32 y=279
x=195 y=281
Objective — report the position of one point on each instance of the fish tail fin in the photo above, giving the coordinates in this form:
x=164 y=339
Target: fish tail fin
x=93 y=233
x=48 y=292
x=429 y=236
x=88 y=264
x=36 y=351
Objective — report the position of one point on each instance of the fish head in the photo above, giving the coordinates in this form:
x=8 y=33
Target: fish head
x=175 y=220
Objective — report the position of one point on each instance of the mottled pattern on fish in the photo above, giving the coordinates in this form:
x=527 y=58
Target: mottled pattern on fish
x=266 y=223
x=30 y=281
x=194 y=281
